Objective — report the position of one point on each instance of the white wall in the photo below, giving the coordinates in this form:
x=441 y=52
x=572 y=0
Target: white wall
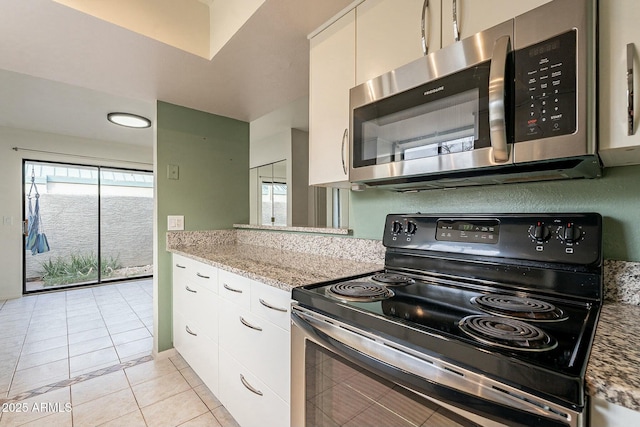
x=97 y=152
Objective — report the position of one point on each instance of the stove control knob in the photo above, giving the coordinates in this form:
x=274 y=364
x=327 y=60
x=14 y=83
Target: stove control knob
x=539 y=232
x=412 y=227
x=396 y=227
x=569 y=233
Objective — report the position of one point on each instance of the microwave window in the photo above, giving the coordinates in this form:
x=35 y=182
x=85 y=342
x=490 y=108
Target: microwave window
x=443 y=126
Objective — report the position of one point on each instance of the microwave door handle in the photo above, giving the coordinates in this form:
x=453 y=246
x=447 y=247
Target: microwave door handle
x=345 y=137
x=456 y=27
x=497 y=80
x=630 y=104
x=425 y=33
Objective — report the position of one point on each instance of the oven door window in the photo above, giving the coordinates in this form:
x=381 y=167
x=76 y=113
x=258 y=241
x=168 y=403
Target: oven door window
x=443 y=117
x=339 y=392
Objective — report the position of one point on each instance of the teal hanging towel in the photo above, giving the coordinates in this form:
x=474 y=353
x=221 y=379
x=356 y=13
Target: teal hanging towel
x=37 y=241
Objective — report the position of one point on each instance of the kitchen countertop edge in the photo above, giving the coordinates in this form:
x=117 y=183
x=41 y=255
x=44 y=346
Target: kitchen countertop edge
x=282 y=277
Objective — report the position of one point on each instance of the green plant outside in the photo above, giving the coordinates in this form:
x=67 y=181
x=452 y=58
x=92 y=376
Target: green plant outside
x=77 y=268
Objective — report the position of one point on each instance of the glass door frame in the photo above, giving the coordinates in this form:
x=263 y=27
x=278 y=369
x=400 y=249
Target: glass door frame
x=99 y=280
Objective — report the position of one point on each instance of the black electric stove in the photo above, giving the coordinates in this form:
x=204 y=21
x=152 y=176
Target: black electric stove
x=514 y=297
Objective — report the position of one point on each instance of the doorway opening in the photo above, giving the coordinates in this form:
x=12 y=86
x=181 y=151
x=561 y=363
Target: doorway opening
x=85 y=225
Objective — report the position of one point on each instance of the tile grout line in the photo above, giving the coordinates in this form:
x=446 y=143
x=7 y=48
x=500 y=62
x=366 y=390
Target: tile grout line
x=105 y=324
x=24 y=340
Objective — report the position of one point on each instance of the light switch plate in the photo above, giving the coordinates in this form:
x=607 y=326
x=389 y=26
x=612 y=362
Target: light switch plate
x=173 y=172
x=175 y=222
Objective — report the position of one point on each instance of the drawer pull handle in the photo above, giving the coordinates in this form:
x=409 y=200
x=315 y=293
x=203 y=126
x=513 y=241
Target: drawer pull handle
x=180 y=266
x=266 y=304
x=203 y=276
x=249 y=386
x=249 y=325
x=189 y=331
x=229 y=288
x=190 y=290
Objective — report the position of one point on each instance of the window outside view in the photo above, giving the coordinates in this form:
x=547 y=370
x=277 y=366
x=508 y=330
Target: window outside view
x=74 y=218
x=274 y=203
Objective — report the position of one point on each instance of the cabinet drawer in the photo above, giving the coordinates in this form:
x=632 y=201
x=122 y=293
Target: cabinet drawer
x=247 y=398
x=234 y=288
x=259 y=345
x=200 y=352
x=195 y=272
x=271 y=303
x=205 y=276
x=199 y=307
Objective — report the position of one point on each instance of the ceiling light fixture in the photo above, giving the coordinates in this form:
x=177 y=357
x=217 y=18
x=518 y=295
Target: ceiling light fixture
x=129 y=120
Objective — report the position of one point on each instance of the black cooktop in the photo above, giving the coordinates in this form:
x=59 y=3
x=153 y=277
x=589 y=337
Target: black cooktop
x=426 y=316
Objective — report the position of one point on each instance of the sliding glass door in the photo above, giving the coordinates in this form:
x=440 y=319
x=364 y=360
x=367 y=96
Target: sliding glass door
x=85 y=225
x=126 y=223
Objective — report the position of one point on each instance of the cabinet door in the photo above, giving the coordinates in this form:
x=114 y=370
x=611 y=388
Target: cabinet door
x=618 y=27
x=475 y=16
x=389 y=35
x=259 y=345
x=200 y=352
x=247 y=398
x=331 y=75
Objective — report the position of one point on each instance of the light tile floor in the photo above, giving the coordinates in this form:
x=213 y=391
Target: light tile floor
x=82 y=358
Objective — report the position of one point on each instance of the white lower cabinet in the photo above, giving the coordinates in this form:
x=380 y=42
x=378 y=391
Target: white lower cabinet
x=255 y=356
x=605 y=414
x=247 y=398
x=195 y=317
x=259 y=345
x=200 y=351
x=234 y=333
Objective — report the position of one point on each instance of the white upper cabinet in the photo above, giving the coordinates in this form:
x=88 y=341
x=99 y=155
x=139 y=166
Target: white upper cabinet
x=474 y=16
x=618 y=28
x=389 y=34
x=332 y=74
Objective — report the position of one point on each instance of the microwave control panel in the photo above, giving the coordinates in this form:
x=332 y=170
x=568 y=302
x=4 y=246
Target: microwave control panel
x=545 y=89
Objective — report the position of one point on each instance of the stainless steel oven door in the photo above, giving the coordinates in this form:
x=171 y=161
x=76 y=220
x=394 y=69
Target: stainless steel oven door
x=342 y=375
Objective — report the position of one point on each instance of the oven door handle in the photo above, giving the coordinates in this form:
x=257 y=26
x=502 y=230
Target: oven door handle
x=497 y=92
x=446 y=384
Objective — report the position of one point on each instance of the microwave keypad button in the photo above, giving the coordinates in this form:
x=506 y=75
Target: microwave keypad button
x=548 y=107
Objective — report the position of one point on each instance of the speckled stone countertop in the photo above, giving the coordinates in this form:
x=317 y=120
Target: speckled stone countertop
x=613 y=373
x=281 y=268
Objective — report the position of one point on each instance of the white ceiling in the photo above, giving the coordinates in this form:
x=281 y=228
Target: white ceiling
x=62 y=70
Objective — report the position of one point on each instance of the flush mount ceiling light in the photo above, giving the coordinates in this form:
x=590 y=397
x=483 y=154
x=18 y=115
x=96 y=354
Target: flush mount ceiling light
x=129 y=120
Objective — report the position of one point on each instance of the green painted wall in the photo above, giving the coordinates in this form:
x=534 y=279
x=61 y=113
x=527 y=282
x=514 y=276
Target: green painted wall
x=212 y=192
x=615 y=196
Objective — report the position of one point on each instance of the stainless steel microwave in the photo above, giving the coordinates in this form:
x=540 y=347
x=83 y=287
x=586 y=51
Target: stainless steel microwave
x=510 y=104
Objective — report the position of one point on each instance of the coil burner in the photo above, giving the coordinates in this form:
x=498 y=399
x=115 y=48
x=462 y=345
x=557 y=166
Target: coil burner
x=392 y=279
x=359 y=291
x=519 y=308
x=507 y=333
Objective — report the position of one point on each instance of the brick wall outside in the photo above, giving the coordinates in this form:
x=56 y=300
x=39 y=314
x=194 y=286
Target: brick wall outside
x=70 y=223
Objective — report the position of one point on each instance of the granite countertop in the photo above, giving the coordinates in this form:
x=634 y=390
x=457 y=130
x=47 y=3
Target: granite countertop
x=280 y=268
x=613 y=373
